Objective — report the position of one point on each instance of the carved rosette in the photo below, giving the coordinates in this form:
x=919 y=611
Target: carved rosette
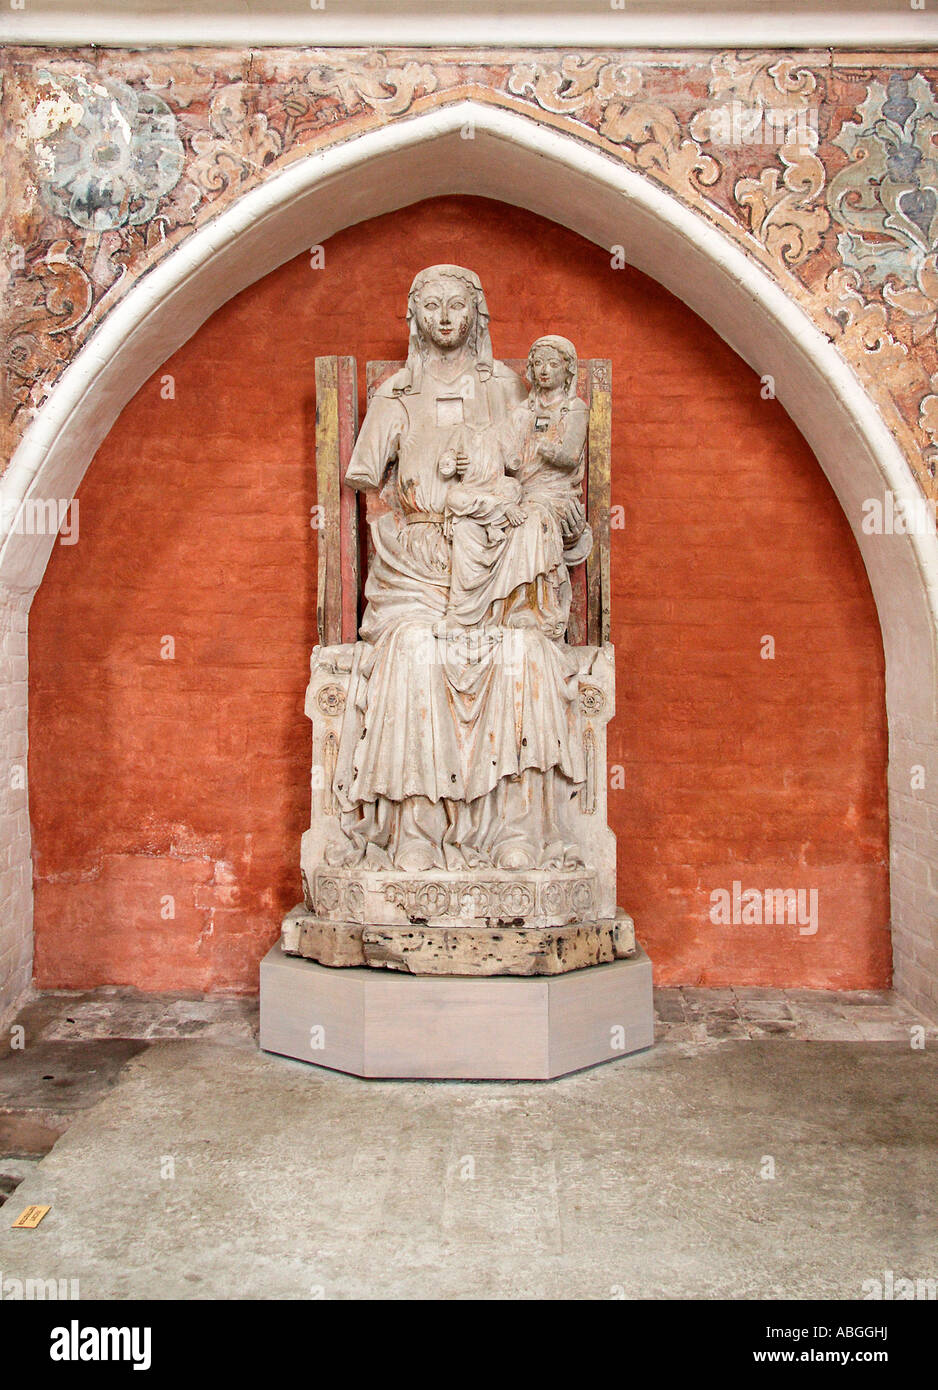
x=592 y=699
x=328 y=896
x=331 y=700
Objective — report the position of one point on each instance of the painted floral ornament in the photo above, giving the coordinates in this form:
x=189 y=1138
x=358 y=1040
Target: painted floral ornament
x=111 y=167
x=886 y=198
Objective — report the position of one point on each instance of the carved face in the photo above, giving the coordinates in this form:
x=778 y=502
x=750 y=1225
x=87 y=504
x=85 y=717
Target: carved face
x=445 y=312
x=548 y=368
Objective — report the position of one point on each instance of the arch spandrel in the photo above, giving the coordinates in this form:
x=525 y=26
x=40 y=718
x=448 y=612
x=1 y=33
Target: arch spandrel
x=776 y=150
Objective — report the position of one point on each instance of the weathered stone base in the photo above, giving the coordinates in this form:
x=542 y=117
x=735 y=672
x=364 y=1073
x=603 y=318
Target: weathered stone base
x=468 y=949
x=382 y=1023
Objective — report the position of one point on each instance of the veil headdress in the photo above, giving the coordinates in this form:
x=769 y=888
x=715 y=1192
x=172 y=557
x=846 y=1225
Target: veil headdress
x=567 y=352
x=479 y=343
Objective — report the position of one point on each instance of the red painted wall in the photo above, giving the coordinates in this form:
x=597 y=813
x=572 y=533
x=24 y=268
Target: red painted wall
x=187 y=779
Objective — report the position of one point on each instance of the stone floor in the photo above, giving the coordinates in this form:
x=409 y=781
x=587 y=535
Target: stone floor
x=805 y=1015
x=76 y=1043
x=773 y=1144
x=73 y=1046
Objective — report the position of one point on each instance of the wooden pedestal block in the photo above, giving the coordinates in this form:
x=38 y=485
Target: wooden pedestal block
x=378 y=1024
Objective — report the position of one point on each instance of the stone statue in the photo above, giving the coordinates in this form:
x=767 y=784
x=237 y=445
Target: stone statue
x=521 y=580
x=457 y=832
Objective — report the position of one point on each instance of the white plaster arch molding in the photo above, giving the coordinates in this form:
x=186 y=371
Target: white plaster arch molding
x=512 y=158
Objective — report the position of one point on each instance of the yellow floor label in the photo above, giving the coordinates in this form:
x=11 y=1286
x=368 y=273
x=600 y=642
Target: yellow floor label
x=29 y=1219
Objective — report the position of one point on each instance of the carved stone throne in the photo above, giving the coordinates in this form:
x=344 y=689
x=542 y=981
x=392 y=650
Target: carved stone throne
x=438 y=927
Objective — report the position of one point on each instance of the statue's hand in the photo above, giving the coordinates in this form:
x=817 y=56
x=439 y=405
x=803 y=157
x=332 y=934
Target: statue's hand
x=549 y=451
x=448 y=463
x=514 y=515
x=573 y=520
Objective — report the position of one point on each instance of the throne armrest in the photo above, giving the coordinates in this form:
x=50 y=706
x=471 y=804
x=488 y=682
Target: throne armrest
x=597 y=688
x=327 y=700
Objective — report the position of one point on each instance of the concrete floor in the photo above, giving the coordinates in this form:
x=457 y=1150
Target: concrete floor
x=191 y=1165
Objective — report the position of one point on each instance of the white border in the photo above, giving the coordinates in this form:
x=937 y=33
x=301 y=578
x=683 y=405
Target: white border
x=653 y=24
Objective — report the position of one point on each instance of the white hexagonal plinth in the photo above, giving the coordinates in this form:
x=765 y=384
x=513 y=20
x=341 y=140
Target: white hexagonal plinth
x=387 y=1024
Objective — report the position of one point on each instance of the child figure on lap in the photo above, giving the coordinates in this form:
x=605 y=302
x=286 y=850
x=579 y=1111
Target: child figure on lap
x=505 y=513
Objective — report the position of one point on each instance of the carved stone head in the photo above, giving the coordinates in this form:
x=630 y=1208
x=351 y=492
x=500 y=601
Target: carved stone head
x=552 y=363
x=446 y=309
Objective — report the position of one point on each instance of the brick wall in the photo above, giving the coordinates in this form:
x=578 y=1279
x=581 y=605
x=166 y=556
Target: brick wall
x=168 y=796
x=15 y=868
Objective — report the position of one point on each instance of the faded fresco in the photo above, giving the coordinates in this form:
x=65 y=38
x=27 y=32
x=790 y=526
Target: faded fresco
x=821 y=166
